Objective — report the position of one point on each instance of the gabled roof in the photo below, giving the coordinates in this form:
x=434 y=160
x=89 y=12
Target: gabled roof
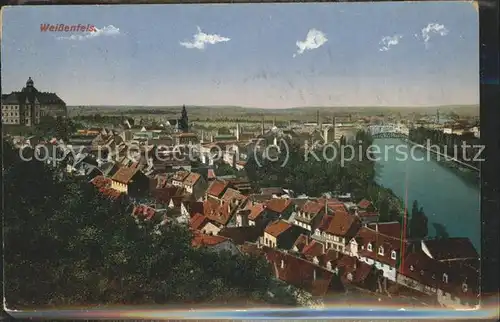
x=256 y=209
x=200 y=240
x=278 y=205
x=124 y=175
x=344 y=225
x=273 y=191
x=301 y=242
x=312 y=207
x=277 y=228
x=217 y=188
x=325 y=222
x=241 y=235
x=218 y=212
x=299 y=272
x=180 y=176
x=232 y=195
x=313 y=249
x=143 y=212
x=377 y=240
x=198 y=221
x=392 y=229
x=192 y=178
x=451 y=248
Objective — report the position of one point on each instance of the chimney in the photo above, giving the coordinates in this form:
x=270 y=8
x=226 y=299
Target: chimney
x=376 y=227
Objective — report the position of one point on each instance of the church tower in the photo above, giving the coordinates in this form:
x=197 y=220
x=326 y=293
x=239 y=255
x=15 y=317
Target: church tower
x=183 y=122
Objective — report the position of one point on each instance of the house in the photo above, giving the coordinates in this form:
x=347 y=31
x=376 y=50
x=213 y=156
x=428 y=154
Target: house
x=310 y=214
x=198 y=221
x=219 y=213
x=383 y=251
x=195 y=184
x=233 y=195
x=164 y=195
x=282 y=208
x=103 y=184
x=355 y=273
x=189 y=208
x=448 y=283
x=130 y=181
x=252 y=214
x=320 y=231
x=343 y=227
x=179 y=177
x=301 y=242
x=242 y=235
x=450 y=249
x=313 y=251
x=279 y=234
x=299 y=272
x=214 y=243
x=216 y=189
x=367 y=217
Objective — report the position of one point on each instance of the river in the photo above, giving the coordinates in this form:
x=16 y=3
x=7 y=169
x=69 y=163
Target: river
x=445 y=196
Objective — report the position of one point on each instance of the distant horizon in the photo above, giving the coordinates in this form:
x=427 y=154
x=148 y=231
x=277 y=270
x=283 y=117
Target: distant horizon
x=261 y=55
x=283 y=108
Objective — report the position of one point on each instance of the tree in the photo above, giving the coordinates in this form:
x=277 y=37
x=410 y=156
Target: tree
x=441 y=232
x=67 y=244
x=418 y=225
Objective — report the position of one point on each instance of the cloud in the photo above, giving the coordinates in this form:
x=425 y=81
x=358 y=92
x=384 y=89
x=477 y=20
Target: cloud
x=314 y=40
x=433 y=28
x=201 y=39
x=104 y=31
x=388 y=41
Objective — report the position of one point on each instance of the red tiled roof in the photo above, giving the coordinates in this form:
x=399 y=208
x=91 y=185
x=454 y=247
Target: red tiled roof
x=419 y=267
x=312 y=207
x=192 y=178
x=217 y=188
x=198 y=221
x=299 y=272
x=143 y=211
x=232 y=194
x=313 y=249
x=301 y=242
x=278 y=205
x=451 y=248
x=241 y=235
x=377 y=240
x=325 y=222
x=164 y=195
x=392 y=229
x=217 y=212
x=180 y=176
x=364 y=204
x=277 y=228
x=101 y=182
x=251 y=249
x=256 y=209
x=344 y=225
x=200 y=239
x=124 y=175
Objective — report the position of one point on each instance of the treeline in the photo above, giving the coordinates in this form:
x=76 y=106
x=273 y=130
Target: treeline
x=450 y=144
x=67 y=245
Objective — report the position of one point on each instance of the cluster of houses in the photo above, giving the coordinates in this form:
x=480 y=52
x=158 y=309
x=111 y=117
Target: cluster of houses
x=321 y=245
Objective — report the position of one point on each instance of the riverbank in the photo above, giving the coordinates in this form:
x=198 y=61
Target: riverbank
x=469 y=175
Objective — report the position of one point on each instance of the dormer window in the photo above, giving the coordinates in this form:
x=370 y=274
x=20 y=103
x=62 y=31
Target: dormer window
x=381 y=251
x=464 y=287
x=412 y=268
x=349 y=276
x=329 y=265
x=445 y=278
x=393 y=254
x=369 y=247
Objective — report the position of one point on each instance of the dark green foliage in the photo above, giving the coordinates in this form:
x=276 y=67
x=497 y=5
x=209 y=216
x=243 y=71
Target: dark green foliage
x=418 y=224
x=66 y=244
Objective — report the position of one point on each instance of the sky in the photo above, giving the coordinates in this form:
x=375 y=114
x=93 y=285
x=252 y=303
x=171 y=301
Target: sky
x=253 y=55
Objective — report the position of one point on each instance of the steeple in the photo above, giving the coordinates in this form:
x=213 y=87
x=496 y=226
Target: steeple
x=183 y=121
x=317 y=118
x=437 y=116
x=29 y=82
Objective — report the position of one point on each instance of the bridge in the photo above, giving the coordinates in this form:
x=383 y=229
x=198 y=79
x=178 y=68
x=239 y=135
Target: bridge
x=389 y=131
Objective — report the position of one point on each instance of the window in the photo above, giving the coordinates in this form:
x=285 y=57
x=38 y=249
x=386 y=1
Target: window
x=412 y=268
x=393 y=254
x=381 y=250
x=349 y=276
x=464 y=288
x=445 y=278
x=282 y=264
x=329 y=265
x=369 y=247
